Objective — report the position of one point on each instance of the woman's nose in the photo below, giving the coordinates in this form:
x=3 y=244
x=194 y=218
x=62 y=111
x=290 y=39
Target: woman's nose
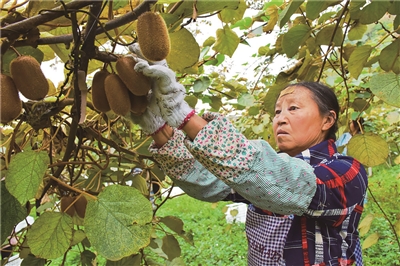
x=281 y=118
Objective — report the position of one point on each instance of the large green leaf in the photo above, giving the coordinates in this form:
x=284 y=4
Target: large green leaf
x=12 y=212
x=357 y=31
x=227 y=41
x=50 y=235
x=25 y=174
x=324 y=36
x=185 y=51
x=374 y=11
x=294 y=38
x=289 y=10
x=386 y=86
x=389 y=59
x=358 y=59
x=315 y=7
x=118 y=223
x=370 y=149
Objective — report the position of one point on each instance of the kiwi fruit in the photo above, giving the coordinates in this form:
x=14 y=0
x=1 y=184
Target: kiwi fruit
x=138 y=104
x=28 y=77
x=99 y=97
x=80 y=206
x=66 y=202
x=10 y=103
x=153 y=36
x=137 y=83
x=117 y=95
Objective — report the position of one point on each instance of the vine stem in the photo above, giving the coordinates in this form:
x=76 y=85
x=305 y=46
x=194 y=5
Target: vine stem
x=71 y=187
x=386 y=218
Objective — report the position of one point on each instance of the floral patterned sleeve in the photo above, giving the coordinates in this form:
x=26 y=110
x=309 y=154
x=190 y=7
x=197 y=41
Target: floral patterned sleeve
x=271 y=181
x=188 y=174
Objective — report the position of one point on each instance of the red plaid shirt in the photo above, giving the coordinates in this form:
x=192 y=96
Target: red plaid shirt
x=327 y=234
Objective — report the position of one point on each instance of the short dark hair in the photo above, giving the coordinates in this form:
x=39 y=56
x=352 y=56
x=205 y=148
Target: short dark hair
x=326 y=100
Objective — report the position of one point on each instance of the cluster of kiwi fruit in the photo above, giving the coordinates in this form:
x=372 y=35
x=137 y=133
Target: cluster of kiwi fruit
x=74 y=204
x=26 y=78
x=126 y=91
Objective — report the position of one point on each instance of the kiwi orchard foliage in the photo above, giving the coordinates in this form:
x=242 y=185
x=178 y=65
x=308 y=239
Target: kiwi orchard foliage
x=69 y=142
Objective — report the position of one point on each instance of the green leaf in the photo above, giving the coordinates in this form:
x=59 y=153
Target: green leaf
x=87 y=258
x=227 y=41
x=140 y=184
x=365 y=224
x=289 y=10
x=314 y=8
x=120 y=218
x=246 y=100
x=358 y=58
x=216 y=102
x=209 y=41
x=228 y=15
x=370 y=149
x=394 y=9
x=77 y=237
x=12 y=212
x=25 y=174
x=373 y=11
x=31 y=260
x=294 y=38
x=371 y=240
x=389 y=59
x=50 y=235
x=185 y=51
x=270 y=98
x=170 y=246
x=173 y=223
x=324 y=36
x=357 y=31
x=191 y=100
x=134 y=260
x=386 y=86
x=201 y=84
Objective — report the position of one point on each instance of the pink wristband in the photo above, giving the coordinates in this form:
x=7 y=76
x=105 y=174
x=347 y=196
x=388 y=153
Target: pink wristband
x=158 y=130
x=187 y=118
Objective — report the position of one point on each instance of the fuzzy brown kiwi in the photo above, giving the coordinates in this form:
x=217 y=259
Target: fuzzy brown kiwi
x=99 y=97
x=117 y=95
x=80 y=206
x=10 y=103
x=153 y=36
x=138 y=104
x=137 y=83
x=65 y=202
x=28 y=77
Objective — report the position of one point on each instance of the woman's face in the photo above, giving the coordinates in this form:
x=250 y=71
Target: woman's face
x=298 y=124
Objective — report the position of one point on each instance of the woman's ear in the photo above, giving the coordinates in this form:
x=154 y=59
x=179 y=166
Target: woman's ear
x=329 y=120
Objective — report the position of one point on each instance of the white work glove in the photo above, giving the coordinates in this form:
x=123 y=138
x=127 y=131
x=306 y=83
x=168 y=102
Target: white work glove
x=150 y=121
x=169 y=94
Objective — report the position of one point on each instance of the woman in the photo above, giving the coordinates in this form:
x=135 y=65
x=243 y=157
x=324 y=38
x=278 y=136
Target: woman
x=305 y=202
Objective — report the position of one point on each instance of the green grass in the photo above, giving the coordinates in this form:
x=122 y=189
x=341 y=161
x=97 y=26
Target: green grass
x=215 y=241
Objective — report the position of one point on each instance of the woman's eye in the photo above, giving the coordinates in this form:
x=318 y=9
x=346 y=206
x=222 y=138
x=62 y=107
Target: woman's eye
x=277 y=112
x=291 y=108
